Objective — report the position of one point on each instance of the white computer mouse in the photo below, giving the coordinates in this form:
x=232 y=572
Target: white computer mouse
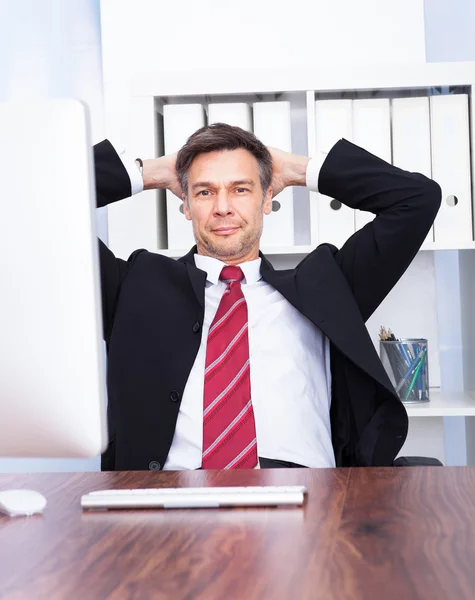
x=16 y=503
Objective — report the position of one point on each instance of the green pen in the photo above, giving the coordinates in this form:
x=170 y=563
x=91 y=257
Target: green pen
x=416 y=373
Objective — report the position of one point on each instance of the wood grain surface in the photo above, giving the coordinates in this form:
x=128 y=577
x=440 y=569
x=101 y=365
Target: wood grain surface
x=408 y=533
x=402 y=533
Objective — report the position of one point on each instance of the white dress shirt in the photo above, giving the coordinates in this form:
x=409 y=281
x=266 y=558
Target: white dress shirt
x=290 y=368
x=290 y=377
x=136 y=181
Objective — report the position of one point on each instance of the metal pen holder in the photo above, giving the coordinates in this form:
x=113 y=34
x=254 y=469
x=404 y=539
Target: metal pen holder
x=406 y=364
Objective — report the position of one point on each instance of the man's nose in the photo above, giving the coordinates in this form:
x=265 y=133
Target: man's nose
x=223 y=204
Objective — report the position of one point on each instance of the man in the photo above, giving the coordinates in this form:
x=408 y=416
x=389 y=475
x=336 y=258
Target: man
x=219 y=361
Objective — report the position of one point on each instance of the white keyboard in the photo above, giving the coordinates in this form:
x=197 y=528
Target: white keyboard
x=210 y=497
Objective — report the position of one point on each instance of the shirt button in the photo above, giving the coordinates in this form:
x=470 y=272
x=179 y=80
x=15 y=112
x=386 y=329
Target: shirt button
x=174 y=396
x=154 y=466
x=196 y=327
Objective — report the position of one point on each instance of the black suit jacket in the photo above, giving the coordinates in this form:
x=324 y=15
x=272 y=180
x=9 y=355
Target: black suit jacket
x=153 y=310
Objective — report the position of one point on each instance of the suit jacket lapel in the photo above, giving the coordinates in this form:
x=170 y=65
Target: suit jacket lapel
x=197 y=276
x=318 y=289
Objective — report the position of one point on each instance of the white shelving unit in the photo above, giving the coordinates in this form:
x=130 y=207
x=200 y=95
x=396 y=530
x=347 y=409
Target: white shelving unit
x=151 y=91
x=444 y=404
x=452 y=305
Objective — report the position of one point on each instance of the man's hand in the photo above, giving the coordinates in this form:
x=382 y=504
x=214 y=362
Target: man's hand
x=160 y=173
x=287 y=169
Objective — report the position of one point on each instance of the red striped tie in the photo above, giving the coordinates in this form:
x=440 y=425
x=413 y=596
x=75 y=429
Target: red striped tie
x=229 y=430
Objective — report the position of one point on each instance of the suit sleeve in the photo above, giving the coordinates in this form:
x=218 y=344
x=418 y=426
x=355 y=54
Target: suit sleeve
x=112 y=179
x=405 y=205
x=112 y=184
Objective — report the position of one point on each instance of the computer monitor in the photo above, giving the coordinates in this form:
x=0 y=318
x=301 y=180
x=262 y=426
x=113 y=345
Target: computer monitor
x=52 y=386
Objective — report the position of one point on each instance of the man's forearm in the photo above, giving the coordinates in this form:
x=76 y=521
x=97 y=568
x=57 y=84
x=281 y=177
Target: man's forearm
x=160 y=174
x=287 y=169
x=156 y=173
x=297 y=170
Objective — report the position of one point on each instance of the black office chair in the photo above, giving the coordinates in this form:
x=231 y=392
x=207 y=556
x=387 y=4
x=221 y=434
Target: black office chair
x=417 y=461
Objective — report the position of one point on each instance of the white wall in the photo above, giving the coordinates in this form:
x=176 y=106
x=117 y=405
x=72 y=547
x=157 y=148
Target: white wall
x=187 y=35
x=450 y=36
x=450 y=30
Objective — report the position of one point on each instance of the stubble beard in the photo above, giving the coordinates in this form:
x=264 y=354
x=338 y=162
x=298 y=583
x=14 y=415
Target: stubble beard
x=238 y=248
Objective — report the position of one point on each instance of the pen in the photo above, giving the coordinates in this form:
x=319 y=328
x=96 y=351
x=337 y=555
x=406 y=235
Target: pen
x=416 y=373
x=412 y=366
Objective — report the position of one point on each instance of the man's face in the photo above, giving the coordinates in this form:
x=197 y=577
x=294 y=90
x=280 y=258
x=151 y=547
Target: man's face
x=227 y=205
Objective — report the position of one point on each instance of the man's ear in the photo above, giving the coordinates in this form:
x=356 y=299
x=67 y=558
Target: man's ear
x=186 y=208
x=268 y=202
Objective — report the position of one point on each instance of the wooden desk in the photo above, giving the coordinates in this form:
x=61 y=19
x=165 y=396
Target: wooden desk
x=403 y=534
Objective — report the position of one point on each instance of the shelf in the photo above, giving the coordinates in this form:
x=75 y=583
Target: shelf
x=444 y=404
x=172 y=253
x=306 y=249
x=268 y=251
x=161 y=83
x=455 y=245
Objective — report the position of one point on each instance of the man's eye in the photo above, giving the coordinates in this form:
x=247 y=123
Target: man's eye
x=241 y=190
x=203 y=193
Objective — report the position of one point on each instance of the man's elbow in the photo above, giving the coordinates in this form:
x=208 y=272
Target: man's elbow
x=432 y=195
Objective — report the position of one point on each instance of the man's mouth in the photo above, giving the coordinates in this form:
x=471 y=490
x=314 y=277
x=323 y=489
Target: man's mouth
x=225 y=230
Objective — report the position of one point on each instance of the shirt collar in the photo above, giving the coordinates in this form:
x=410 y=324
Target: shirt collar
x=213 y=267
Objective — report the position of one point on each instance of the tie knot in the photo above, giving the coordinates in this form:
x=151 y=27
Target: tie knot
x=230 y=274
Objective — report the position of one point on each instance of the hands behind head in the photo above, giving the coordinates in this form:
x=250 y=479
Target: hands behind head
x=173 y=183
x=160 y=173
x=279 y=161
x=288 y=169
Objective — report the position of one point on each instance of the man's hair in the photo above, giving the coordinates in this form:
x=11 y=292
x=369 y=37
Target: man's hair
x=220 y=136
